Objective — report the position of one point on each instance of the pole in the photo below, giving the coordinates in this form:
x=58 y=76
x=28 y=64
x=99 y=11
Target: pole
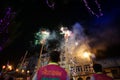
x=67 y=58
x=23 y=59
x=39 y=59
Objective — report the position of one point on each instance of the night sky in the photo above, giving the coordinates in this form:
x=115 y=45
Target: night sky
x=31 y=15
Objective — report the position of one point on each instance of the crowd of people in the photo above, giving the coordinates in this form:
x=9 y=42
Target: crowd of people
x=53 y=71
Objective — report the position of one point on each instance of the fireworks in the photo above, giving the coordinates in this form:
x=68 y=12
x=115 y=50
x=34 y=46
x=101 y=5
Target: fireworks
x=73 y=45
x=67 y=33
x=41 y=36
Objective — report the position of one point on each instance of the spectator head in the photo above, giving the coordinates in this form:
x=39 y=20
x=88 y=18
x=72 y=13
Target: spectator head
x=97 y=67
x=55 y=56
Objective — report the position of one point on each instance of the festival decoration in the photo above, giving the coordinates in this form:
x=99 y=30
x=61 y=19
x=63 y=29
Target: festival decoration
x=51 y=4
x=90 y=10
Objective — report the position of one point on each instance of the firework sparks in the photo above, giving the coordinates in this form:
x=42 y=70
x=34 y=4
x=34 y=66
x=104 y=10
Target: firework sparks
x=41 y=37
x=67 y=33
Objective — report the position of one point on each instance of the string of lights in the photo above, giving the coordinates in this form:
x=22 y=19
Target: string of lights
x=51 y=4
x=90 y=10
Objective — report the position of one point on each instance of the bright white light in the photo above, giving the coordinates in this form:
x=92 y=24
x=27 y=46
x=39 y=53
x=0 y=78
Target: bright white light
x=28 y=71
x=76 y=43
x=61 y=28
x=3 y=67
x=45 y=32
x=17 y=70
x=9 y=67
x=86 y=54
x=45 y=35
x=23 y=71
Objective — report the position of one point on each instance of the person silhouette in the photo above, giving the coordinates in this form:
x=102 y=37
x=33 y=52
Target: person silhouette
x=52 y=71
x=99 y=75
